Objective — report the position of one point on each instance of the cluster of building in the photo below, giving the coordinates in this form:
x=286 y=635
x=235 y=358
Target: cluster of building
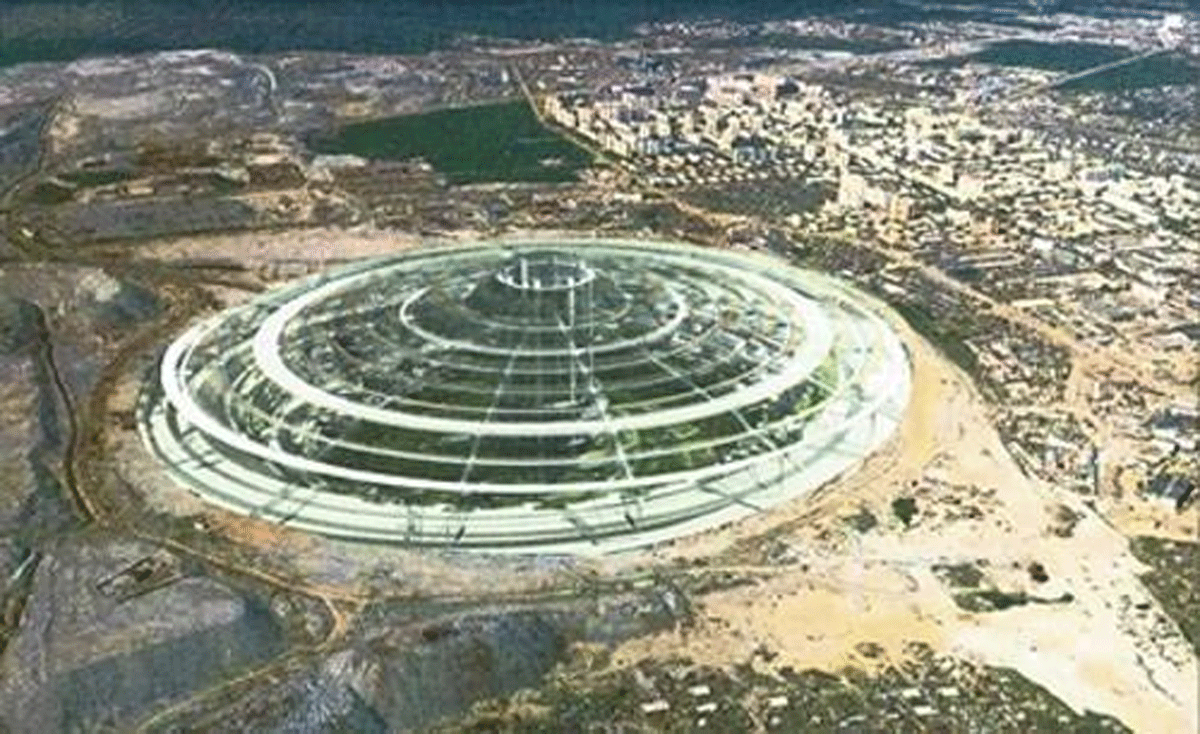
x=1053 y=446
x=894 y=162
x=916 y=176
x=1099 y=250
x=734 y=127
x=931 y=692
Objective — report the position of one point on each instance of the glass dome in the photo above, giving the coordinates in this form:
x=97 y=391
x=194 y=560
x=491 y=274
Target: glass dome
x=570 y=396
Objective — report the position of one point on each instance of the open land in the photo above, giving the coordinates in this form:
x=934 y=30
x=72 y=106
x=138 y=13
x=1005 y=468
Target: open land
x=1020 y=555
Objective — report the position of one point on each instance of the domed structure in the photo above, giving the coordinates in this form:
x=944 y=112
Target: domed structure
x=569 y=396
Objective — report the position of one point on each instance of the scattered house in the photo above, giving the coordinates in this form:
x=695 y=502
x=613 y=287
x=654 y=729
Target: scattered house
x=655 y=707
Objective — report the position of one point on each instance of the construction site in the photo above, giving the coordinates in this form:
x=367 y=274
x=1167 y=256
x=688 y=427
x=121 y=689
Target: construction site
x=323 y=414
x=541 y=396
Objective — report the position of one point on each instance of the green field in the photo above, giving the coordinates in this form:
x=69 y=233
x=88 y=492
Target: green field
x=486 y=143
x=1173 y=69
x=1066 y=57
x=1158 y=71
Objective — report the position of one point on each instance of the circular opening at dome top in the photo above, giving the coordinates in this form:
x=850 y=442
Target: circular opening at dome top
x=545 y=271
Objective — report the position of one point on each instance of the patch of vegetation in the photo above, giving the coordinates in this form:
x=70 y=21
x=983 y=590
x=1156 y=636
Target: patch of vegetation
x=1173 y=579
x=1037 y=572
x=496 y=142
x=995 y=600
x=1065 y=520
x=943 y=336
x=19 y=321
x=863 y=520
x=961 y=575
x=98 y=177
x=49 y=193
x=1157 y=71
x=905 y=509
x=1065 y=57
x=944 y=62
x=990 y=600
x=21 y=50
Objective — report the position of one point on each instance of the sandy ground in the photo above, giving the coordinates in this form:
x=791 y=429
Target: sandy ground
x=1098 y=652
x=1135 y=517
x=316 y=245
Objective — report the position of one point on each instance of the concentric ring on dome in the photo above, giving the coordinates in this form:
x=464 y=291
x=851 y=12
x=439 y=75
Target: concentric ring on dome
x=565 y=396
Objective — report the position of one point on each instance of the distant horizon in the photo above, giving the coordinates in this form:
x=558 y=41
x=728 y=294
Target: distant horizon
x=64 y=30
